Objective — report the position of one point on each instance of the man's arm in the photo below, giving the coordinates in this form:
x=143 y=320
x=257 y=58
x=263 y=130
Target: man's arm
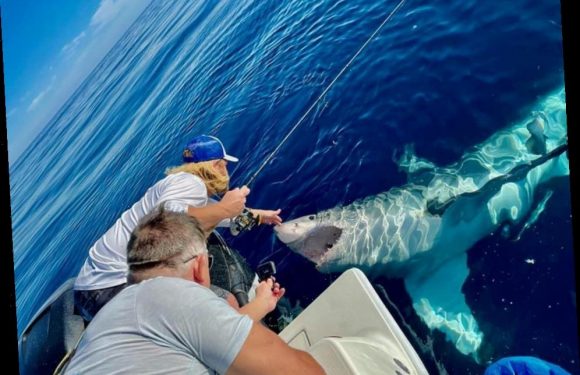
x=265 y=353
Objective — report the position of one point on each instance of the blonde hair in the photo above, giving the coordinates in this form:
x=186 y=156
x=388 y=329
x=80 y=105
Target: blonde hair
x=215 y=182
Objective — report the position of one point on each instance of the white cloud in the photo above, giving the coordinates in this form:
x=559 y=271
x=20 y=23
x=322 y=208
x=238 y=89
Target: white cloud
x=34 y=103
x=12 y=112
x=107 y=12
x=73 y=44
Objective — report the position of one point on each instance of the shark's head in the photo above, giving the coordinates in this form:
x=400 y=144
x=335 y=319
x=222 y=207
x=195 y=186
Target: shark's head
x=314 y=237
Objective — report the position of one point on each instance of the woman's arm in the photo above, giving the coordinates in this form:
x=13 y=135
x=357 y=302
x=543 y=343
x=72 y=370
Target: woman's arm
x=230 y=206
x=267 y=216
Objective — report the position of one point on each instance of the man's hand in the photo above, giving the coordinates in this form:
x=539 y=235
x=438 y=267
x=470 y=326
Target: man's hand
x=234 y=201
x=268 y=293
x=270 y=217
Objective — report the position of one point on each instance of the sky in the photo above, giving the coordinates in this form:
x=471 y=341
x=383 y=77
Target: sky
x=49 y=48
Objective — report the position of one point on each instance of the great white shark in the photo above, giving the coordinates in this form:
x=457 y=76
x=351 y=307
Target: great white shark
x=422 y=230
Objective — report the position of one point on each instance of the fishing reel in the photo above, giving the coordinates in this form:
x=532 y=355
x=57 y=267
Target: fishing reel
x=245 y=221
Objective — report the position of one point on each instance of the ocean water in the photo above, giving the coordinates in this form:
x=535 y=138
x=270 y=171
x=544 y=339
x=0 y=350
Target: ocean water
x=442 y=77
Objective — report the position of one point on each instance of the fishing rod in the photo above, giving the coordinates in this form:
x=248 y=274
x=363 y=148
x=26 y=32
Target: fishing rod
x=246 y=220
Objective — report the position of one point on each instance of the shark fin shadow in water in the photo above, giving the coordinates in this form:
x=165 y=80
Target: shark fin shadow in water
x=512 y=231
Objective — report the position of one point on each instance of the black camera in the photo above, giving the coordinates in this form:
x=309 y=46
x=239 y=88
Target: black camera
x=266 y=270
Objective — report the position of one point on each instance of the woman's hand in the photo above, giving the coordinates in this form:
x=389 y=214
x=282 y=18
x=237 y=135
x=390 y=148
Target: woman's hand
x=233 y=201
x=270 y=217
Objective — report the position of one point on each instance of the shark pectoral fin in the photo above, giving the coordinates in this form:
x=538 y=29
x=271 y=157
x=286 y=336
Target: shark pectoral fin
x=438 y=300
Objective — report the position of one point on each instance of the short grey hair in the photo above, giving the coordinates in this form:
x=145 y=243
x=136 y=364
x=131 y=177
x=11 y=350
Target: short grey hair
x=164 y=238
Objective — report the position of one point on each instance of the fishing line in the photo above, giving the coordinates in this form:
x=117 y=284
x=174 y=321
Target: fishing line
x=246 y=220
x=348 y=64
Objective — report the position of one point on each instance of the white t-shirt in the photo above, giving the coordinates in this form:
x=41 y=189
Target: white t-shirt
x=162 y=326
x=106 y=265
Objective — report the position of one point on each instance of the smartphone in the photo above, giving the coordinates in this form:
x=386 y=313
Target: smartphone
x=266 y=270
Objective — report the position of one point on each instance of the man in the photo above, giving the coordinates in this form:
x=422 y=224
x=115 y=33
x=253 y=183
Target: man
x=169 y=322
x=186 y=188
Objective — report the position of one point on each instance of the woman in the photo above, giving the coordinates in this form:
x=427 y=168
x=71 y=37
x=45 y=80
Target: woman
x=186 y=188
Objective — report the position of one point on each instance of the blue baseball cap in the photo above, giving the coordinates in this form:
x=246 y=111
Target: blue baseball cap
x=205 y=148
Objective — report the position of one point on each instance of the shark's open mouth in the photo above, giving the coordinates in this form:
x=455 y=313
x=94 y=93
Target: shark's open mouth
x=314 y=242
x=318 y=256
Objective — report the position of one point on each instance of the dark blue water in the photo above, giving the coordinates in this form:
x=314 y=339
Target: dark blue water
x=443 y=76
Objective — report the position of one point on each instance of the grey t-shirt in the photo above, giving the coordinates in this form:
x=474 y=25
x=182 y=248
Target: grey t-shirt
x=162 y=326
